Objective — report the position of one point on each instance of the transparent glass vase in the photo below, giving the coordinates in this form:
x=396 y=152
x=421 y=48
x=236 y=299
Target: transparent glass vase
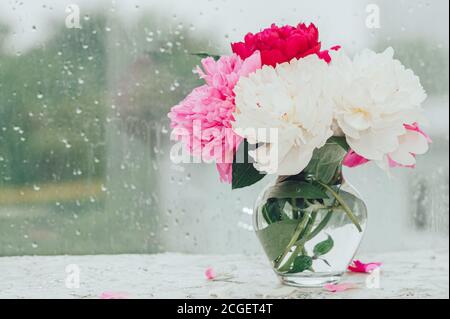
x=310 y=231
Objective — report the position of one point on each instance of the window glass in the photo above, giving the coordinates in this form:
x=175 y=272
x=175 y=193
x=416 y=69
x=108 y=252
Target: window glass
x=85 y=139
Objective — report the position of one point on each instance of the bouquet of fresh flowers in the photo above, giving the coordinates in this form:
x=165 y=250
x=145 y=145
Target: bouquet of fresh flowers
x=280 y=105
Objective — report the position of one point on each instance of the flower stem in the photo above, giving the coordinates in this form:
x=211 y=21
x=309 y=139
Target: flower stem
x=305 y=234
x=344 y=205
x=294 y=208
x=301 y=225
x=319 y=228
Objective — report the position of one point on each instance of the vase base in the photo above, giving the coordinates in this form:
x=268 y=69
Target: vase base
x=315 y=281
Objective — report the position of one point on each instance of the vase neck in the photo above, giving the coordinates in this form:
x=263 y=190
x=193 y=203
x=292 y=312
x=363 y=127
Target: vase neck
x=302 y=177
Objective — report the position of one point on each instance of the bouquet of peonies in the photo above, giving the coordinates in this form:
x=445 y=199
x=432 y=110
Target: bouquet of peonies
x=280 y=105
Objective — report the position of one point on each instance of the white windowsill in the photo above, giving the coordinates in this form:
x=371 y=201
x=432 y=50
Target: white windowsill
x=419 y=274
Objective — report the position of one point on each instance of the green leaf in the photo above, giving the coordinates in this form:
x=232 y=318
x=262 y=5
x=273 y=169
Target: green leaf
x=324 y=247
x=327 y=162
x=301 y=264
x=204 y=55
x=341 y=141
x=244 y=174
x=273 y=211
x=276 y=237
x=344 y=199
x=293 y=189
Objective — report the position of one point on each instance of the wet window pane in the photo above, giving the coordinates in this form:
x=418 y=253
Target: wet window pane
x=84 y=134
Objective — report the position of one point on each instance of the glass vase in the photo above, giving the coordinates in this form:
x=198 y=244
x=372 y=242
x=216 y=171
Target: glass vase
x=310 y=230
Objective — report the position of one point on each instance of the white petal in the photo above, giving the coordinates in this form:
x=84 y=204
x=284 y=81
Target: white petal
x=265 y=160
x=348 y=130
x=403 y=158
x=295 y=161
x=357 y=121
x=374 y=145
x=414 y=142
x=268 y=157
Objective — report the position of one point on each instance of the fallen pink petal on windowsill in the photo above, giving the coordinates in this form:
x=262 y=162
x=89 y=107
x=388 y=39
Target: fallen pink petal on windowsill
x=335 y=288
x=107 y=295
x=210 y=274
x=362 y=268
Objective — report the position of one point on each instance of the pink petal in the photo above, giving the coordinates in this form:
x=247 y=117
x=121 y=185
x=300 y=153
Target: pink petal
x=113 y=295
x=394 y=164
x=251 y=64
x=325 y=55
x=334 y=288
x=226 y=172
x=360 y=267
x=415 y=127
x=210 y=274
x=352 y=159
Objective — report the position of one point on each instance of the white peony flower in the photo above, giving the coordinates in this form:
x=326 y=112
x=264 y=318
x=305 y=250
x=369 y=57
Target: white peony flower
x=290 y=98
x=375 y=96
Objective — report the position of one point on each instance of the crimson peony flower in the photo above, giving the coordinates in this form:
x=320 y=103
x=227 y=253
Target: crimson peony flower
x=278 y=45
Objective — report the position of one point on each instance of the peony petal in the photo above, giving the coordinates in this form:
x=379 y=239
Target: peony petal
x=251 y=64
x=359 y=267
x=334 y=288
x=374 y=145
x=242 y=50
x=295 y=161
x=295 y=44
x=402 y=158
x=225 y=172
x=113 y=295
x=415 y=142
x=352 y=159
x=210 y=274
x=325 y=55
x=273 y=57
x=415 y=127
x=357 y=121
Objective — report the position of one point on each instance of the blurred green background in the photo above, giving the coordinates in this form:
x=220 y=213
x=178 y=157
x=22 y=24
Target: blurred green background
x=71 y=117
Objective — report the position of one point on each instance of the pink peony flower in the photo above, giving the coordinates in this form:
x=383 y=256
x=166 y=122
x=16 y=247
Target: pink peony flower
x=414 y=142
x=360 y=267
x=280 y=44
x=202 y=122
